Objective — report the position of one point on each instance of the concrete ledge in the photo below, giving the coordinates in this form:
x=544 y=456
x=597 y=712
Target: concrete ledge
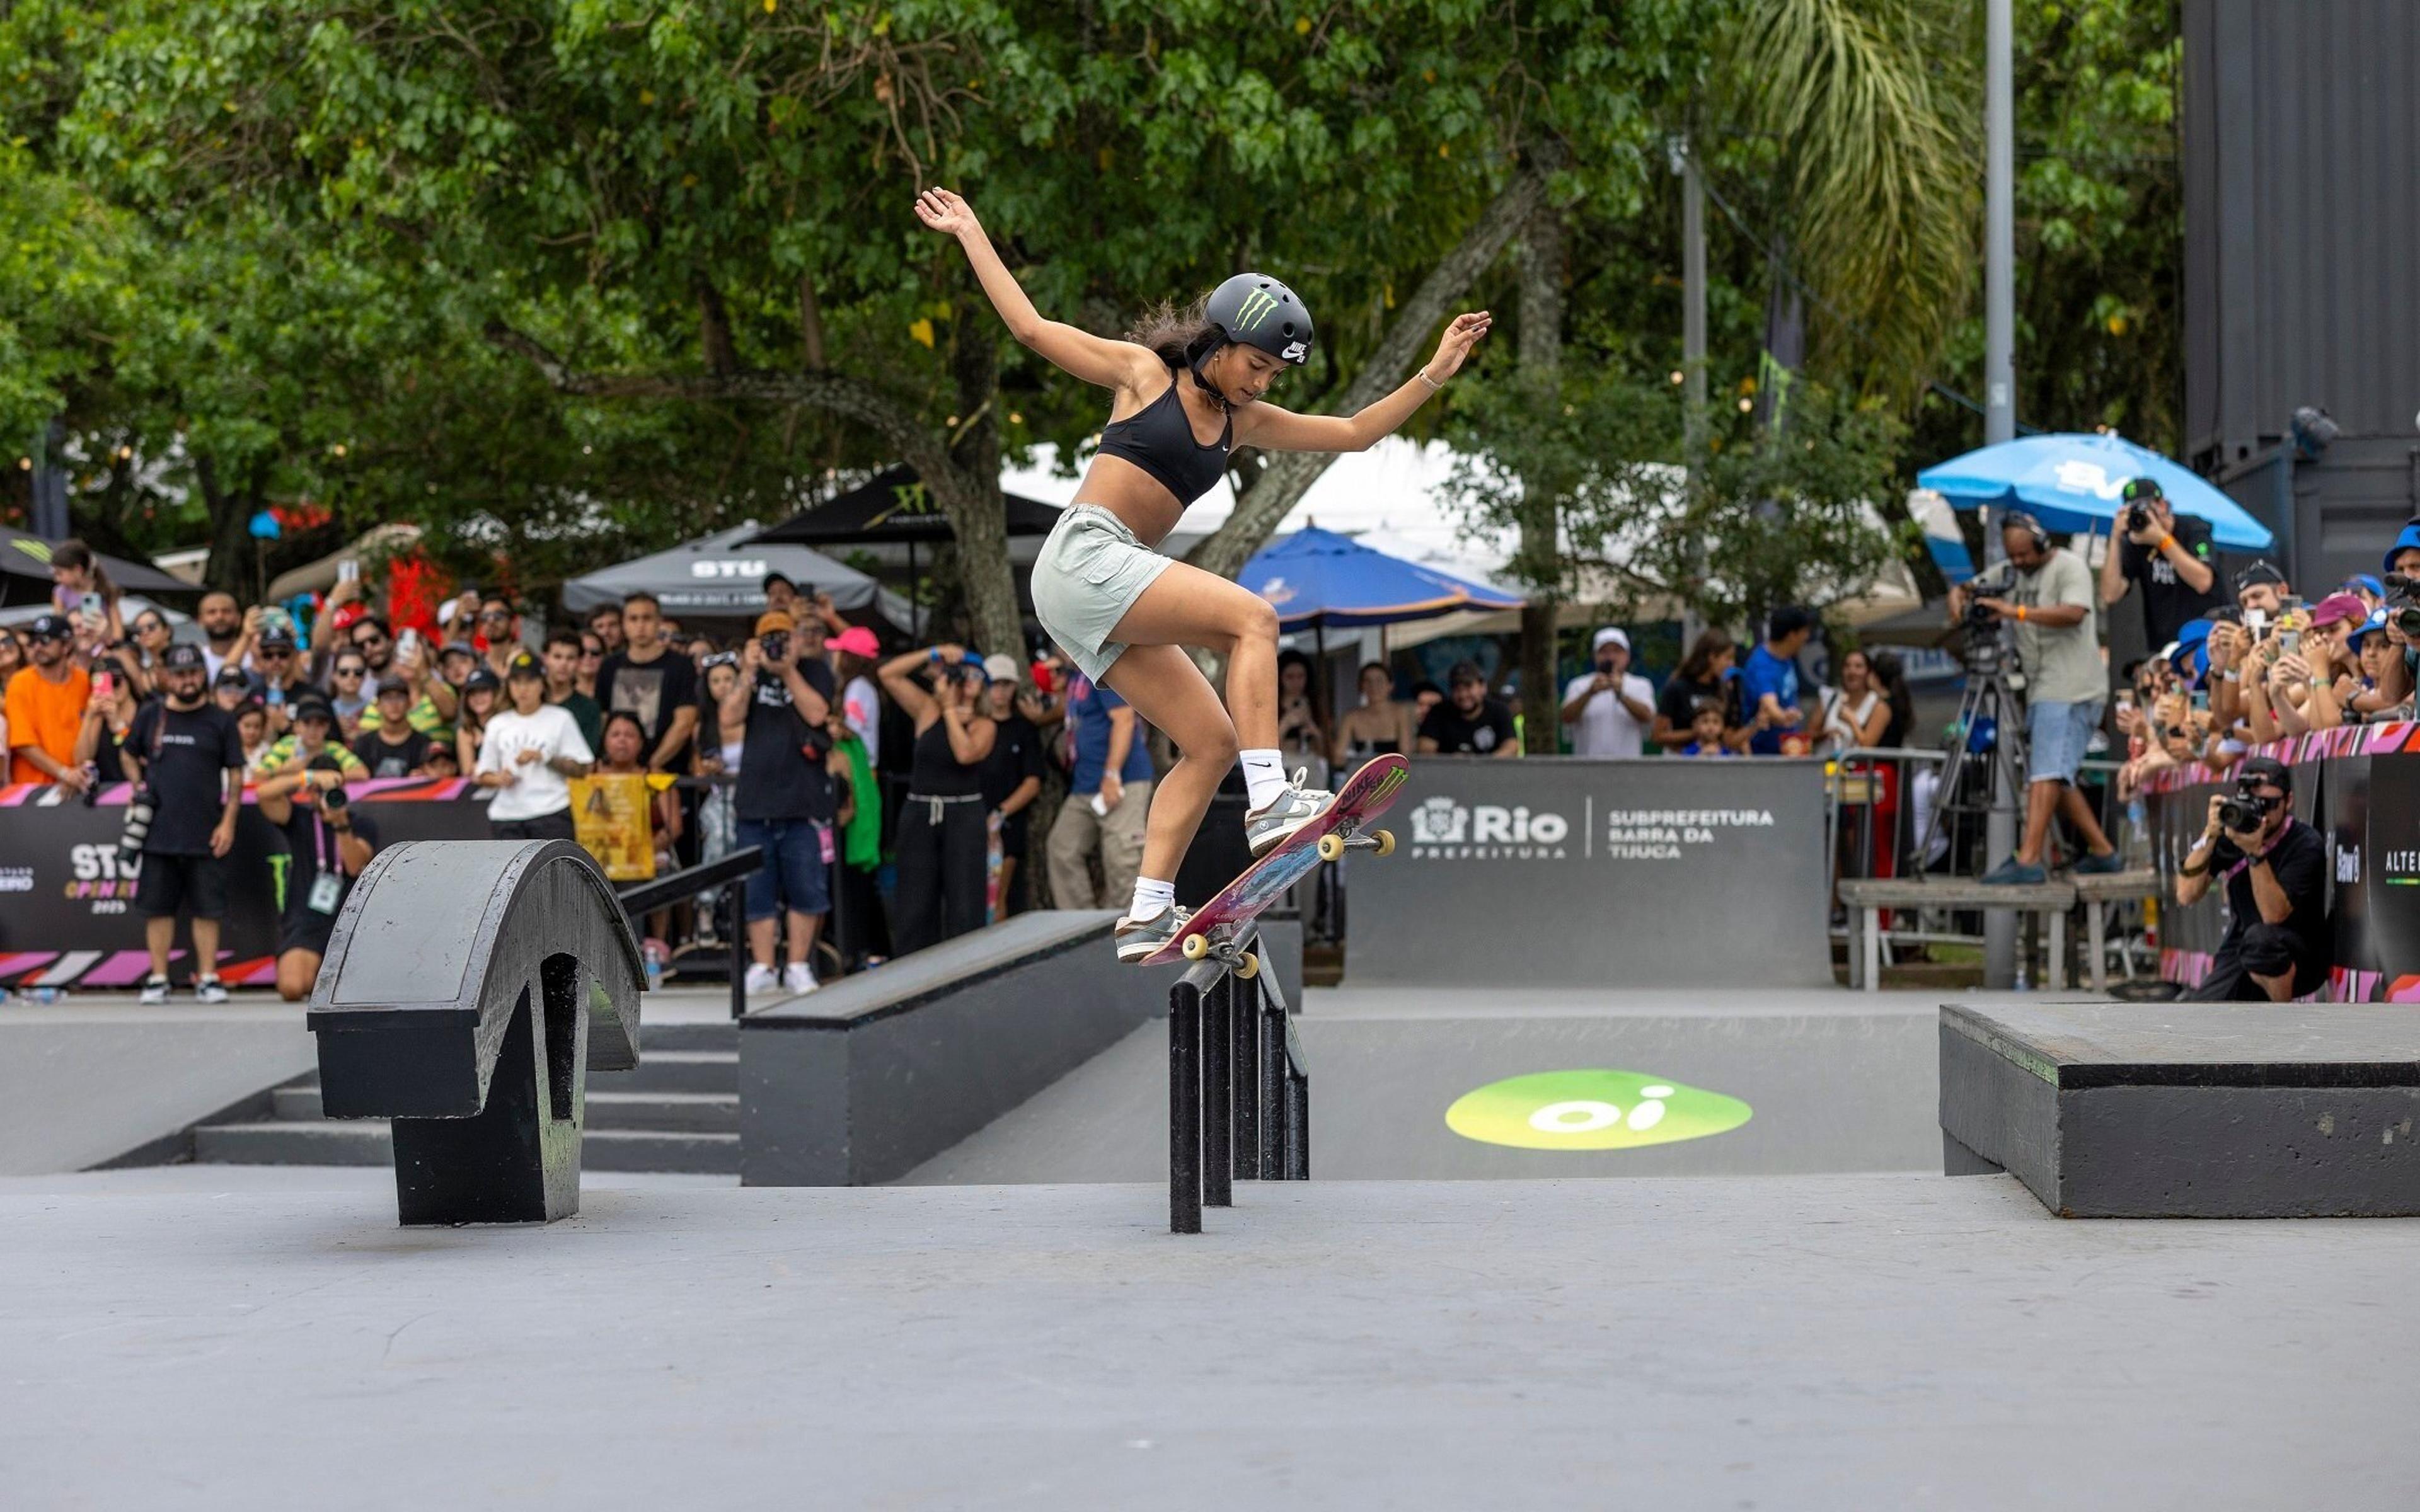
x=2203 y=1110
x=864 y=1081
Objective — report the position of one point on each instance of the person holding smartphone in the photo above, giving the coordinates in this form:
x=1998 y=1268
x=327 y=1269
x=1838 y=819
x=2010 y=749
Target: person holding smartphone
x=326 y=844
x=785 y=805
x=529 y=753
x=943 y=833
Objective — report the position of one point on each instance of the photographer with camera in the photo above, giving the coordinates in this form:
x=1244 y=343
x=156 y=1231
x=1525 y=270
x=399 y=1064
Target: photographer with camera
x=186 y=760
x=2277 y=873
x=2169 y=554
x=2049 y=598
x=785 y=804
x=327 y=845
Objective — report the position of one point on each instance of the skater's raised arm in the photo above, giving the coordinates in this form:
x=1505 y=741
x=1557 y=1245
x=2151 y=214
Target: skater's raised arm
x=1113 y=364
x=1265 y=425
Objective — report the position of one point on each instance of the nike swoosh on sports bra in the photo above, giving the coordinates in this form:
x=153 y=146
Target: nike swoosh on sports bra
x=1158 y=438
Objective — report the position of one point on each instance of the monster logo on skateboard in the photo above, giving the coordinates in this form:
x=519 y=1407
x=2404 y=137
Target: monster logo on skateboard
x=1214 y=930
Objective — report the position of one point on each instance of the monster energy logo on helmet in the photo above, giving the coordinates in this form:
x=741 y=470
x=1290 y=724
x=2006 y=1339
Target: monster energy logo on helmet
x=1258 y=311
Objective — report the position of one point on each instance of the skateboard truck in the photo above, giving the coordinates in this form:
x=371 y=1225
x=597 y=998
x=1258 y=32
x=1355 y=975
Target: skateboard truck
x=1333 y=844
x=1242 y=963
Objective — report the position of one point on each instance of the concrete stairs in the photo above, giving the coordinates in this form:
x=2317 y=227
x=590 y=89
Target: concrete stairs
x=678 y=1111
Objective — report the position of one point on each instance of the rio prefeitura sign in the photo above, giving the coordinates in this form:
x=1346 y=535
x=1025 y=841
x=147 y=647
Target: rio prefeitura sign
x=1657 y=873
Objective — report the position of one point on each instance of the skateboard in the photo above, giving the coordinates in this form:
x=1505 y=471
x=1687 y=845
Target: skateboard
x=1212 y=932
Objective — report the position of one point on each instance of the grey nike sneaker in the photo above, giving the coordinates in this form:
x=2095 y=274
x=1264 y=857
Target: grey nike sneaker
x=1137 y=938
x=1268 y=828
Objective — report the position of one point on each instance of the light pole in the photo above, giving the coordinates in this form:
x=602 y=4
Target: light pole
x=1999 y=398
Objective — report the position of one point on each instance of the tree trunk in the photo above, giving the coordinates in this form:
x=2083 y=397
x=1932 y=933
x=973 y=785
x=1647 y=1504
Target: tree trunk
x=1288 y=475
x=971 y=498
x=234 y=554
x=1544 y=251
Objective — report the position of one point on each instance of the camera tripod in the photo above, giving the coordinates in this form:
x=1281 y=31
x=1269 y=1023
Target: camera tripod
x=1987 y=693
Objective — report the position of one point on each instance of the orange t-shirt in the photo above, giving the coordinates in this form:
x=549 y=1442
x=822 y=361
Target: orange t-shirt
x=45 y=714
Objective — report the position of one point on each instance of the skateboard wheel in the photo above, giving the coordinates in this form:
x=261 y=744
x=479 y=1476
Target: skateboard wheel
x=1386 y=842
x=1331 y=845
x=1196 y=947
x=1248 y=967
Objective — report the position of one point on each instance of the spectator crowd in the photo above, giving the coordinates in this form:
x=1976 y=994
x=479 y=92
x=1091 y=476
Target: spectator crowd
x=892 y=792
x=774 y=738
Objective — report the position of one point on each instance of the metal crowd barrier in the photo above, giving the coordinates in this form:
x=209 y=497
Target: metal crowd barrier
x=1239 y=1090
x=730 y=872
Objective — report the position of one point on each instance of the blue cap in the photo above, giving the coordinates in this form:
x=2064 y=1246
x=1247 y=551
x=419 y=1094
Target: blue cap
x=2377 y=621
x=2365 y=581
x=2405 y=540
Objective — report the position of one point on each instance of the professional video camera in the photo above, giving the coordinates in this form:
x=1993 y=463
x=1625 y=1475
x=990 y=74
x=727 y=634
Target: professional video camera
x=1982 y=625
x=2403 y=604
x=2247 y=810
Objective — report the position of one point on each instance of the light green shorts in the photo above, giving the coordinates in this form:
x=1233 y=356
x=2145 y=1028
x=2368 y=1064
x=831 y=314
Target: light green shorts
x=1090 y=572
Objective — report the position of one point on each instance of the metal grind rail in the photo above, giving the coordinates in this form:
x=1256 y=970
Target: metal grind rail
x=1238 y=1091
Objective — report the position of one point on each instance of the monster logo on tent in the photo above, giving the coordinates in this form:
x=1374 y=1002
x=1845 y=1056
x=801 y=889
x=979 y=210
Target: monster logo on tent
x=1595 y=1109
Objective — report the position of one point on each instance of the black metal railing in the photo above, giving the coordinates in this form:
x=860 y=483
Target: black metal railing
x=731 y=873
x=1238 y=1089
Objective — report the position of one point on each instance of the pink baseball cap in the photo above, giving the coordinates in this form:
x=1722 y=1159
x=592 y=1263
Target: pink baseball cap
x=2338 y=607
x=857 y=641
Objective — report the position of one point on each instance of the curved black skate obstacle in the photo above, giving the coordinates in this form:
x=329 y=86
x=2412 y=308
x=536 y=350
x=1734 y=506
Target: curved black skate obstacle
x=469 y=988
x=1238 y=1088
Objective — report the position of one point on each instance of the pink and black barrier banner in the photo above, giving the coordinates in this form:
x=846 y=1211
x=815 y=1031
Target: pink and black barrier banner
x=2360 y=787
x=67 y=897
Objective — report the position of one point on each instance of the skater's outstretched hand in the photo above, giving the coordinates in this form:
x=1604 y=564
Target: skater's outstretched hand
x=1455 y=348
x=945 y=212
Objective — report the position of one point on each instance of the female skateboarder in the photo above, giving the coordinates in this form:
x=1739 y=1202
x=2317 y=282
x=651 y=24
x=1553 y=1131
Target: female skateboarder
x=1188 y=390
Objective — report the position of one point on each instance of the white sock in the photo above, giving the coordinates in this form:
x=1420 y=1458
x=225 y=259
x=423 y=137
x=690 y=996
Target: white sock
x=1151 y=897
x=1263 y=776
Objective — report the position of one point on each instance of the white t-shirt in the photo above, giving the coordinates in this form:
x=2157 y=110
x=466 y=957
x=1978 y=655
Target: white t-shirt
x=1842 y=719
x=1605 y=726
x=860 y=709
x=540 y=790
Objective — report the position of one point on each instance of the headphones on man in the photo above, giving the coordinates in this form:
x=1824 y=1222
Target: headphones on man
x=2017 y=519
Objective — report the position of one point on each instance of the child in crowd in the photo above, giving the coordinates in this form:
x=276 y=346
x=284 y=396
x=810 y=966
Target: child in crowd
x=1706 y=730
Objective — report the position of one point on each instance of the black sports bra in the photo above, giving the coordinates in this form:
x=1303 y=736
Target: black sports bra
x=1158 y=438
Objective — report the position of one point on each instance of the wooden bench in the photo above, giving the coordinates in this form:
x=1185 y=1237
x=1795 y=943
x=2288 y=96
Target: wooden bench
x=1868 y=896
x=2096 y=893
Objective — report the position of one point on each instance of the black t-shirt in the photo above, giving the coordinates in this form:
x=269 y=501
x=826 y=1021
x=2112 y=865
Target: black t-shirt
x=781 y=771
x=1480 y=735
x=312 y=846
x=399 y=760
x=1016 y=755
x=2169 y=603
x=195 y=750
x=652 y=690
x=1678 y=703
x=2299 y=860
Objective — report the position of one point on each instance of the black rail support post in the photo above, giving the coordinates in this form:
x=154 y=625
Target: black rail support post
x=1245 y=1021
x=1184 y=1106
x=1297 y=1111
x=1217 y=1092
x=735 y=900
x=1271 y=1025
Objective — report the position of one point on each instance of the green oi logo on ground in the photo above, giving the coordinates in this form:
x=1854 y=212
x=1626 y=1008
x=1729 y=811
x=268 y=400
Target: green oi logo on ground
x=1592 y=1110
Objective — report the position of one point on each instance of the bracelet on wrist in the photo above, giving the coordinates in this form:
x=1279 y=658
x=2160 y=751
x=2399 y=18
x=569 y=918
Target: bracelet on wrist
x=1423 y=374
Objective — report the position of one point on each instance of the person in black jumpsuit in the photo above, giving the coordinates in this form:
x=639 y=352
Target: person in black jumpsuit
x=941 y=832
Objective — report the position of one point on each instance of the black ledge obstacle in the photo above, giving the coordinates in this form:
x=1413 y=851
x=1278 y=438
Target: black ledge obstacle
x=2189 y=1110
x=469 y=988
x=1239 y=1090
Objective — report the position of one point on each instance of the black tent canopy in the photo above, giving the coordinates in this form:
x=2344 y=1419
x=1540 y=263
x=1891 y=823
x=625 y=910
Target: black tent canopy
x=895 y=505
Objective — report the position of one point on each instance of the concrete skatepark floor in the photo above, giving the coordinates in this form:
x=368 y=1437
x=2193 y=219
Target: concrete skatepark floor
x=198 y=1337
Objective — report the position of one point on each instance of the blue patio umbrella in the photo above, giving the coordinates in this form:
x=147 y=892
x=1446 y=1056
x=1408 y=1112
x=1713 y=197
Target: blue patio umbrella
x=2073 y=483
x=1317 y=579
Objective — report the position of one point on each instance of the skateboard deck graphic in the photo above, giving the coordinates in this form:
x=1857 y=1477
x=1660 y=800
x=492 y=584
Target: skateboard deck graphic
x=1366 y=794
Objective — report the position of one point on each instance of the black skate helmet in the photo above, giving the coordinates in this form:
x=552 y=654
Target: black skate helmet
x=1255 y=310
